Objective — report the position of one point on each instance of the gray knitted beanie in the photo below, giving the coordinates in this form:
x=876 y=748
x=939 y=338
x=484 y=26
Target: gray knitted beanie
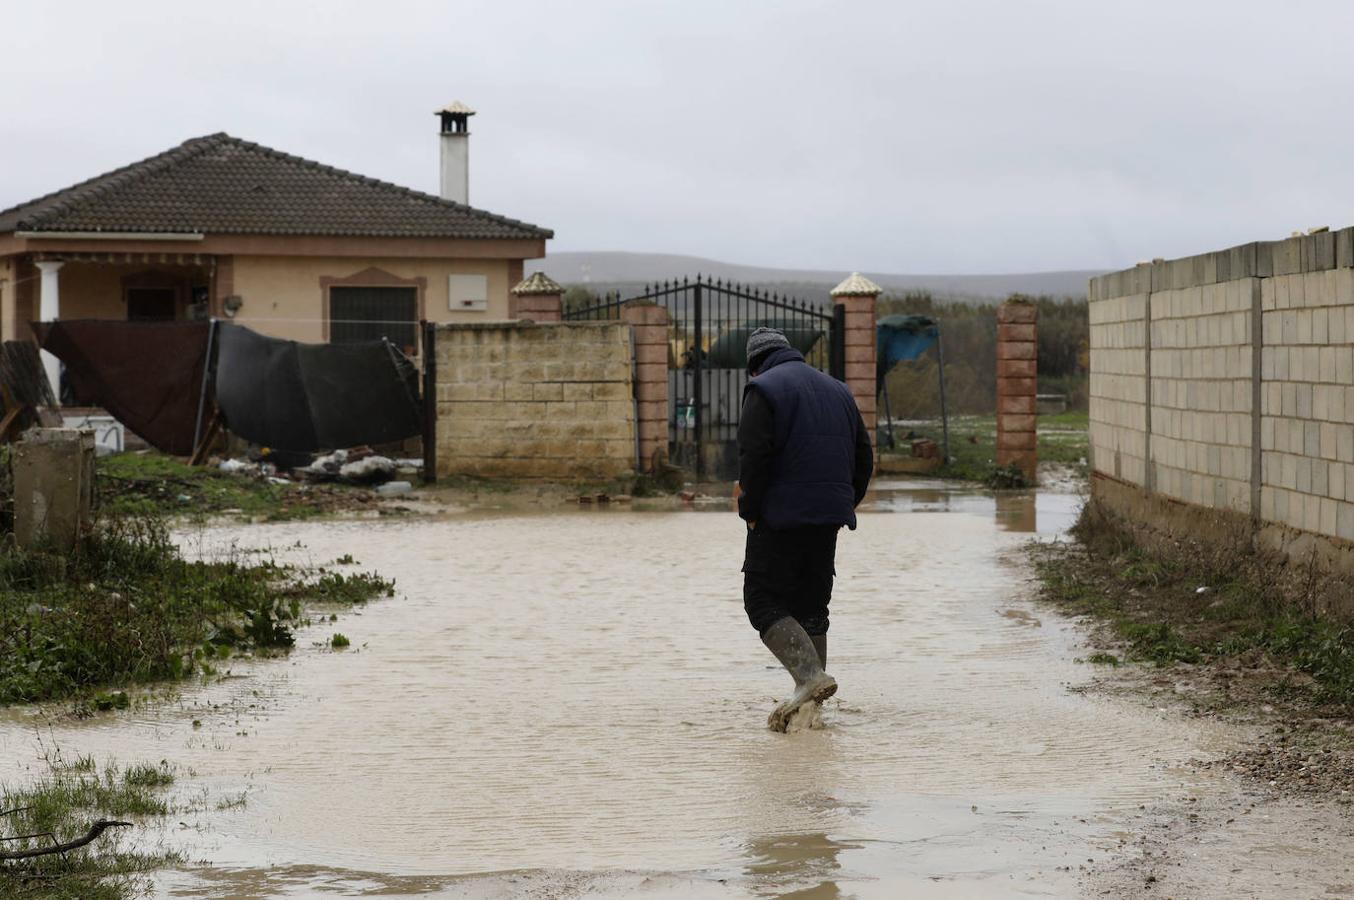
x=762 y=341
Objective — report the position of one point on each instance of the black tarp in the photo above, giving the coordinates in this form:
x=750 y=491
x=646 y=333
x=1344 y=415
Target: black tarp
x=148 y=375
x=307 y=397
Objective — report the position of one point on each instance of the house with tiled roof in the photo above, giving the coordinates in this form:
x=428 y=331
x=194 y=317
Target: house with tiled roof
x=221 y=227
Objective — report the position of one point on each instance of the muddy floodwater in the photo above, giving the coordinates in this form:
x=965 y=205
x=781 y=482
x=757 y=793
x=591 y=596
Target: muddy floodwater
x=571 y=703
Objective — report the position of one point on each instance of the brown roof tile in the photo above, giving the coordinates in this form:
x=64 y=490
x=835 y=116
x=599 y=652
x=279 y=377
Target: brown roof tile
x=219 y=184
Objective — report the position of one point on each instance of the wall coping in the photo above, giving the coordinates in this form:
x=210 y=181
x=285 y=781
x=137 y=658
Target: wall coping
x=524 y=325
x=1317 y=252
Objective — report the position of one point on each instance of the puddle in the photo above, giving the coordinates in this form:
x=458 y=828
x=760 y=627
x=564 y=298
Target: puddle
x=573 y=704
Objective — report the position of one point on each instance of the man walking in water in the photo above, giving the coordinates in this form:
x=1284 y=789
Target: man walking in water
x=804 y=461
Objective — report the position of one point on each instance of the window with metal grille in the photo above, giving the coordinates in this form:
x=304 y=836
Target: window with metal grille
x=371 y=313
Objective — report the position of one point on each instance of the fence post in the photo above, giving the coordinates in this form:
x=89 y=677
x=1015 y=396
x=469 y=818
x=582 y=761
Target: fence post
x=1017 y=386
x=837 y=350
x=538 y=298
x=429 y=403
x=697 y=385
x=649 y=324
x=856 y=298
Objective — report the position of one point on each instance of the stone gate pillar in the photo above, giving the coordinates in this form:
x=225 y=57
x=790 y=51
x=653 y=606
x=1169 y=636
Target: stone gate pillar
x=1017 y=367
x=649 y=323
x=537 y=298
x=858 y=296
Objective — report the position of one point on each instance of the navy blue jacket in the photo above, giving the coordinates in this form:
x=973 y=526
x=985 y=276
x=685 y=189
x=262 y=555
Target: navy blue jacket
x=804 y=457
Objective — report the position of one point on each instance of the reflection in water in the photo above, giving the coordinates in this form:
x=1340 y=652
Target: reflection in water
x=1017 y=512
x=797 y=865
x=1028 y=512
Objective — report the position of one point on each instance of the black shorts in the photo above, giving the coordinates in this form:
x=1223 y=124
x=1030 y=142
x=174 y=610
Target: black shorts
x=789 y=573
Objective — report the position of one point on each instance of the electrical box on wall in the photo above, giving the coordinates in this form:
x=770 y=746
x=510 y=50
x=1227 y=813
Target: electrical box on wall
x=468 y=293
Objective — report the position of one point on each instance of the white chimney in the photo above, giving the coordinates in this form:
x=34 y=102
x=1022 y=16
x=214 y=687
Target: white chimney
x=456 y=152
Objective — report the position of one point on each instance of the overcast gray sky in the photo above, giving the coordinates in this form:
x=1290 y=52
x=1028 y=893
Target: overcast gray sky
x=967 y=137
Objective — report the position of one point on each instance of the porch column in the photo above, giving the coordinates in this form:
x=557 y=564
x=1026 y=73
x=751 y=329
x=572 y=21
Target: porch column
x=858 y=296
x=49 y=310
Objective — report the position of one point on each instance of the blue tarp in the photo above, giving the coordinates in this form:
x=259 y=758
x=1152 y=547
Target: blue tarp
x=901 y=339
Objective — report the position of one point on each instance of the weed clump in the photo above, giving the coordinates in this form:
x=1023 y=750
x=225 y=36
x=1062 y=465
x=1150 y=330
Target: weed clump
x=126 y=607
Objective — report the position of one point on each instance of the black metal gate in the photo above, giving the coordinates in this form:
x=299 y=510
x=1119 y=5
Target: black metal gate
x=709 y=323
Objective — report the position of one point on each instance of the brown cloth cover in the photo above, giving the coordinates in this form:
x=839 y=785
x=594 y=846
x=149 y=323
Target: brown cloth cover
x=148 y=375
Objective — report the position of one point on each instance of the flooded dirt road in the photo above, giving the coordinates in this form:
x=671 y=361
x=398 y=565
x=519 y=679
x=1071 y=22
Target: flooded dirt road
x=573 y=704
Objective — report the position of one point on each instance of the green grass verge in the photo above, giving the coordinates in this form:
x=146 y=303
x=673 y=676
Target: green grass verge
x=128 y=608
x=1189 y=605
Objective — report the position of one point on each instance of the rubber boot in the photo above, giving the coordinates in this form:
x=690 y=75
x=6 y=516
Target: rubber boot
x=791 y=644
x=820 y=644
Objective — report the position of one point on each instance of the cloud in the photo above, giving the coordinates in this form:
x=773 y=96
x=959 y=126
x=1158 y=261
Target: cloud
x=964 y=136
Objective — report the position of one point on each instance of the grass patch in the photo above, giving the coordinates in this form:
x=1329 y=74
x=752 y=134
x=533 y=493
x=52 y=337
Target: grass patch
x=127 y=608
x=65 y=803
x=1063 y=438
x=149 y=483
x=1204 y=606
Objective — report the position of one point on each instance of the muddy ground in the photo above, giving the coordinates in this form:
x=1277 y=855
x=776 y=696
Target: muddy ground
x=564 y=700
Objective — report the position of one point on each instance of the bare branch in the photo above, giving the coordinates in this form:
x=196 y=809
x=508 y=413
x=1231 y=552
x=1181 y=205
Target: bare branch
x=95 y=830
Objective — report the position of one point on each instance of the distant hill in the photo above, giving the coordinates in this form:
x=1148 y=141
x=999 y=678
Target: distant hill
x=627 y=271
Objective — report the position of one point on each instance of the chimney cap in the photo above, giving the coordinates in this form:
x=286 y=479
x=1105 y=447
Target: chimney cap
x=454 y=108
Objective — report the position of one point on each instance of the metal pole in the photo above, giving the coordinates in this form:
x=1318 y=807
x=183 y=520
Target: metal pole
x=944 y=411
x=837 y=363
x=429 y=403
x=888 y=410
x=202 y=395
x=696 y=388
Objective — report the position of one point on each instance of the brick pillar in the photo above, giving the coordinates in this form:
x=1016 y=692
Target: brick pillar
x=538 y=298
x=650 y=327
x=1016 y=385
x=858 y=295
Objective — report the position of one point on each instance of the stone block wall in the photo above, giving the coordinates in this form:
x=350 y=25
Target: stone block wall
x=1226 y=381
x=535 y=400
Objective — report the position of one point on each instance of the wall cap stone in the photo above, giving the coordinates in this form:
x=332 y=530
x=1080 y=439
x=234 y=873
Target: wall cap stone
x=1316 y=251
x=537 y=283
x=857 y=285
x=524 y=325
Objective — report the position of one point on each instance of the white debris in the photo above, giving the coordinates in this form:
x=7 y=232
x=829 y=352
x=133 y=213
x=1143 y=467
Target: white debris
x=326 y=468
x=390 y=488
x=370 y=470
x=236 y=466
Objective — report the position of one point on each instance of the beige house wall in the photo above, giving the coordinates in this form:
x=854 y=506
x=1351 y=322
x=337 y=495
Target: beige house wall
x=8 y=289
x=283 y=296
x=286 y=297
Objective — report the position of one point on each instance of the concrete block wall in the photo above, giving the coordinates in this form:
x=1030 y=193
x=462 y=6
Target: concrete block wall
x=1307 y=401
x=1201 y=394
x=1118 y=387
x=1232 y=375
x=535 y=400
